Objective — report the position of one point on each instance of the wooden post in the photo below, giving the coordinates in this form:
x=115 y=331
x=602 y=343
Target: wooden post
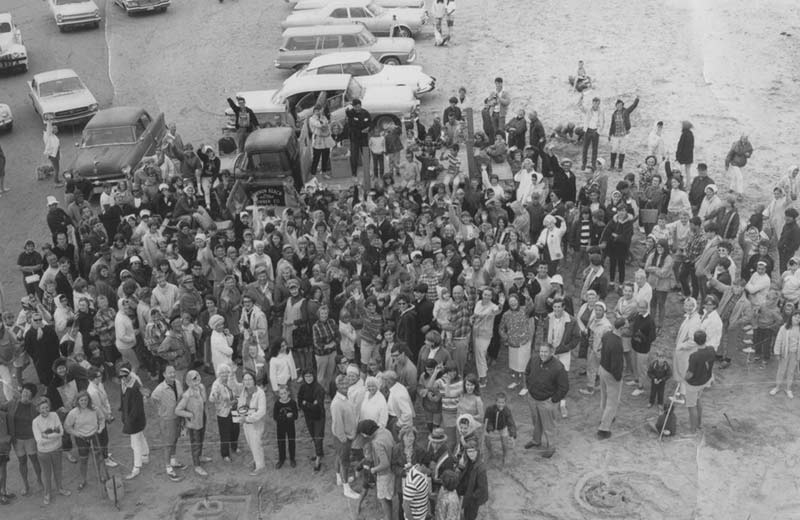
x=472 y=168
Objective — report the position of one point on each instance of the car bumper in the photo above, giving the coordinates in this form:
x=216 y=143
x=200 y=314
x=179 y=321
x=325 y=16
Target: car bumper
x=6 y=123
x=147 y=8
x=429 y=87
x=74 y=118
x=96 y=181
x=13 y=63
x=77 y=22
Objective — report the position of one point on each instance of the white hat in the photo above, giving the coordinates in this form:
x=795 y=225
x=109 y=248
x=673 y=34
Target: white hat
x=51 y=200
x=134 y=258
x=144 y=213
x=163 y=186
x=556 y=278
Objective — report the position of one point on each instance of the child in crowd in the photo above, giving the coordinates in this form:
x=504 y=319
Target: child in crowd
x=377 y=148
x=667 y=421
x=448 y=505
x=429 y=392
x=659 y=372
x=468 y=430
x=347 y=344
x=393 y=146
x=285 y=414
x=282 y=369
x=499 y=423
x=409 y=171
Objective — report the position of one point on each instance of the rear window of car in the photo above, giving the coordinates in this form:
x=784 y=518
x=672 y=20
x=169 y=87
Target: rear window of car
x=301 y=43
x=349 y=40
x=5 y=27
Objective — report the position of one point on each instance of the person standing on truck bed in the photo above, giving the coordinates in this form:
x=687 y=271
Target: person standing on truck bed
x=358 y=123
x=246 y=120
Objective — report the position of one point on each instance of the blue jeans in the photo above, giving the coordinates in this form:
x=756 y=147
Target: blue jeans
x=591 y=137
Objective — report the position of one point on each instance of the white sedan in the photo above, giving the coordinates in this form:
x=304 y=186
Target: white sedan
x=388 y=4
x=61 y=97
x=13 y=54
x=74 y=13
x=6 y=117
x=369 y=71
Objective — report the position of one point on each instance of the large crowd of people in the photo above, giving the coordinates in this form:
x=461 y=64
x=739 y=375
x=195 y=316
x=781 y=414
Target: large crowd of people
x=379 y=315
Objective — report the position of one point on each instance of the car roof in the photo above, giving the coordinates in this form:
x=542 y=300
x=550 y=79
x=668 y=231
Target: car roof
x=115 y=116
x=322 y=30
x=53 y=75
x=317 y=82
x=347 y=3
x=5 y=17
x=268 y=139
x=335 y=58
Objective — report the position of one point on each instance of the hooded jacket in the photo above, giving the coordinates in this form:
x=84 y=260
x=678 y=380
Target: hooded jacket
x=311 y=399
x=134 y=419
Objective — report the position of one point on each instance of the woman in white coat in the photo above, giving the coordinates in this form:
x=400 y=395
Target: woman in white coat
x=684 y=343
x=550 y=240
x=221 y=342
x=252 y=411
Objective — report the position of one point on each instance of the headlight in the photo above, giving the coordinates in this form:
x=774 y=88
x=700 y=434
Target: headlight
x=47 y=116
x=5 y=113
x=59 y=17
x=97 y=13
x=92 y=107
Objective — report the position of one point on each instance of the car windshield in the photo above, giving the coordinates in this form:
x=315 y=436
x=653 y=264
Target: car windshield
x=375 y=9
x=270 y=162
x=65 y=2
x=373 y=66
x=354 y=90
x=5 y=27
x=60 y=86
x=107 y=136
x=366 y=37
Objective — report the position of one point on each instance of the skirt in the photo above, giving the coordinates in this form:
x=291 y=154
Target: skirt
x=518 y=357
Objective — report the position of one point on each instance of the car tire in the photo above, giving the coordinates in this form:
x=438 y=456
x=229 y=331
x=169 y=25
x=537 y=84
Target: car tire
x=404 y=32
x=96 y=25
x=62 y=28
x=9 y=127
x=390 y=60
x=164 y=9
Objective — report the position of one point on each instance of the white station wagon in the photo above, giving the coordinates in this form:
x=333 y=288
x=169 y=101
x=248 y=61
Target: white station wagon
x=388 y=4
x=74 y=13
x=369 y=71
x=61 y=97
x=13 y=54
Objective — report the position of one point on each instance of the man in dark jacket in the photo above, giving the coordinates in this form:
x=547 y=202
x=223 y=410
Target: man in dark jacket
x=486 y=118
x=537 y=136
x=610 y=371
x=452 y=108
x=516 y=128
x=548 y=384
x=41 y=344
x=643 y=334
x=134 y=419
x=697 y=191
x=564 y=182
x=246 y=120
x=618 y=130
x=789 y=240
x=408 y=326
x=358 y=124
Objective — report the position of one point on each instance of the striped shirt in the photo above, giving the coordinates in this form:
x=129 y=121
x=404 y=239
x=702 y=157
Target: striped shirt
x=416 y=493
x=586 y=232
x=460 y=316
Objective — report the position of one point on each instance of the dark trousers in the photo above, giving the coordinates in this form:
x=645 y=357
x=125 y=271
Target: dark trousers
x=196 y=438
x=355 y=156
x=285 y=436
x=102 y=438
x=590 y=138
x=657 y=392
x=324 y=155
x=55 y=161
x=471 y=510
x=686 y=277
x=228 y=436
x=378 y=164
x=763 y=340
x=316 y=429
x=616 y=260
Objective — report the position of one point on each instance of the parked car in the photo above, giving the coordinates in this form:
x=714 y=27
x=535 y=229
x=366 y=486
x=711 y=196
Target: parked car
x=302 y=44
x=61 y=97
x=388 y=4
x=143 y=6
x=335 y=91
x=369 y=71
x=390 y=22
x=113 y=143
x=6 y=117
x=262 y=105
x=74 y=13
x=13 y=54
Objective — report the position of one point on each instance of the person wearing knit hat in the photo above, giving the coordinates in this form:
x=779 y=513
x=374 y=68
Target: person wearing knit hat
x=192 y=408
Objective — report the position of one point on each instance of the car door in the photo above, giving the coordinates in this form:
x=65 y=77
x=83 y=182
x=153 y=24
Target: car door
x=304 y=106
x=33 y=93
x=362 y=16
x=328 y=43
x=335 y=104
x=356 y=69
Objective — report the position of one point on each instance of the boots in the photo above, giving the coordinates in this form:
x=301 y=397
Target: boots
x=621 y=161
x=613 y=160
x=349 y=493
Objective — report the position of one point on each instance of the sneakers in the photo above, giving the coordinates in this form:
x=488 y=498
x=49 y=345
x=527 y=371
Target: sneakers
x=748 y=350
x=205 y=459
x=523 y=392
x=774 y=391
x=637 y=392
x=631 y=383
x=172 y=475
x=64 y=492
x=133 y=474
x=226 y=459
x=349 y=493
x=586 y=391
x=512 y=385
x=789 y=394
x=176 y=465
x=111 y=463
x=256 y=472
x=532 y=444
x=603 y=435
x=200 y=471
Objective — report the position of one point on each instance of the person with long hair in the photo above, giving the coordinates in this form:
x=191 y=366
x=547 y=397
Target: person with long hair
x=787 y=348
x=658 y=267
x=252 y=409
x=311 y=399
x=48 y=431
x=84 y=422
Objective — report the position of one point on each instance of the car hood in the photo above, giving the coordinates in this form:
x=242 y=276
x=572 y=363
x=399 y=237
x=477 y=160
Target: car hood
x=82 y=8
x=78 y=99
x=395 y=44
x=402 y=74
x=378 y=95
x=110 y=160
x=300 y=18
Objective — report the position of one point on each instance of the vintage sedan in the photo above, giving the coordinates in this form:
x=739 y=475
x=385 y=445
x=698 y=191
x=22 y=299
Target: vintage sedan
x=369 y=71
x=13 y=54
x=74 y=13
x=113 y=143
x=391 y=22
x=388 y=4
x=6 y=117
x=143 y=6
x=386 y=104
x=61 y=97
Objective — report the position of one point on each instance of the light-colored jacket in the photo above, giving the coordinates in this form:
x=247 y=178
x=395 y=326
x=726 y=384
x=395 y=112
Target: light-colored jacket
x=192 y=407
x=660 y=278
x=166 y=400
x=256 y=406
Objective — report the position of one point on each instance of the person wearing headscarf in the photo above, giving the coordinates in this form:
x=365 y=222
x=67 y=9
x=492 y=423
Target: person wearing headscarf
x=710 y=203
x=791 y=183
x=221 y=343
x=684 y=342
x=774 y=213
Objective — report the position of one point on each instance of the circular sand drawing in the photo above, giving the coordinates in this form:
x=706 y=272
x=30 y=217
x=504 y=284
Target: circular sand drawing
x=624 y=494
